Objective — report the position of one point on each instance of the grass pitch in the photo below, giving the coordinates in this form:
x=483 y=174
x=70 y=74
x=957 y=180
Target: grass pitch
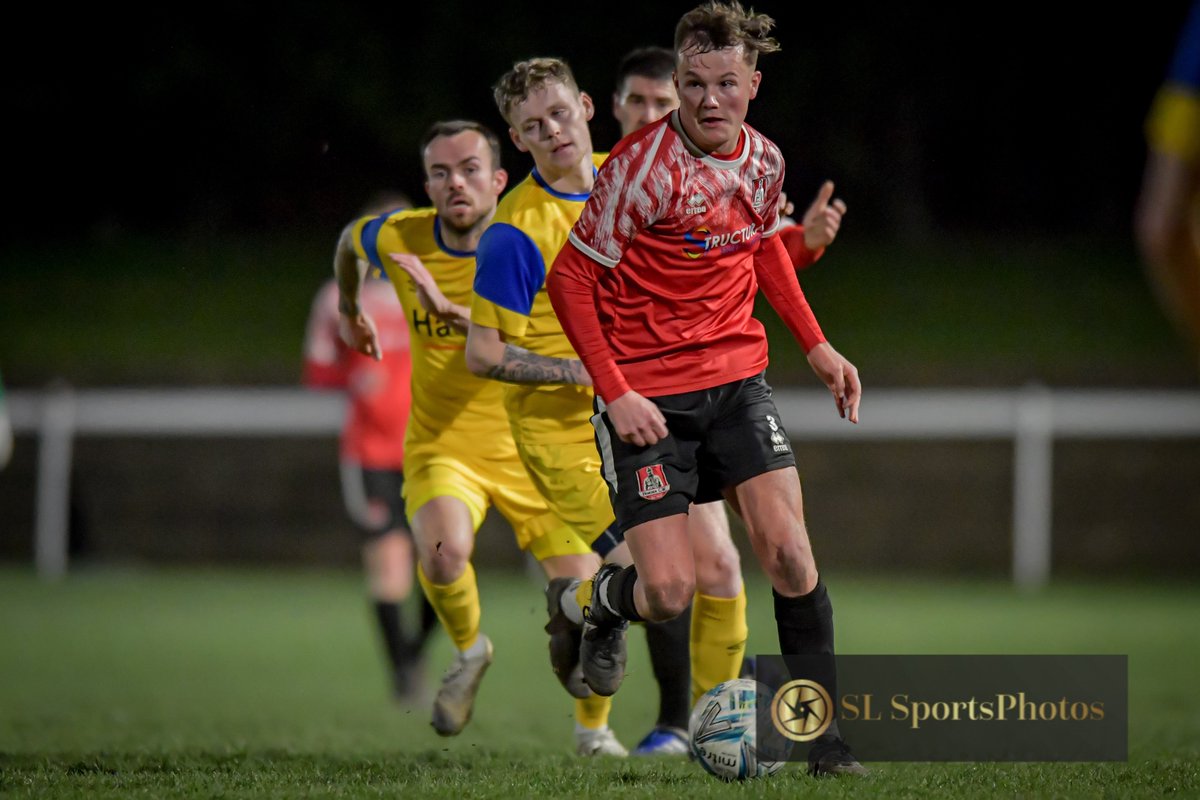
x=244 y=683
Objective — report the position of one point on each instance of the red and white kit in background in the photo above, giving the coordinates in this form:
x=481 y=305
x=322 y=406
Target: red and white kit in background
x=379 y=392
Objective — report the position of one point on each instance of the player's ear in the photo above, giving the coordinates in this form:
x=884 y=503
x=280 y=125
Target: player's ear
x=616 y=104
x=589 y=108
x=755 y=80
x=516 y=140
x=499 y=180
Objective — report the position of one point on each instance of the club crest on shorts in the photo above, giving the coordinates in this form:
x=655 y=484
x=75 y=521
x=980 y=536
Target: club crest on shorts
x=652 y=482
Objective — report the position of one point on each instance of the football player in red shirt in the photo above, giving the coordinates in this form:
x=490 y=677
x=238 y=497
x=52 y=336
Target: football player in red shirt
x=645 y=93
x=656 y=294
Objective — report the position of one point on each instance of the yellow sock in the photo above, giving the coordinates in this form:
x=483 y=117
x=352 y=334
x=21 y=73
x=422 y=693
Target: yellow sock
x=593 y=711
x=718 y=640
x=456 y=604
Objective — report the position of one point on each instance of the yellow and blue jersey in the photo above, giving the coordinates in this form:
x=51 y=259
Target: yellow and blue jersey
x=531 y=225
x=451 y=408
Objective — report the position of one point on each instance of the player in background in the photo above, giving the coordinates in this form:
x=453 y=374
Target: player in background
x=515 y=337
x=1167 y=218
x=372 y=456
x=684 y=413
x=542 y=395
x=460 y=455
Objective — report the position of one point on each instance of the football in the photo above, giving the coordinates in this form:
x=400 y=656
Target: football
x=722 y=732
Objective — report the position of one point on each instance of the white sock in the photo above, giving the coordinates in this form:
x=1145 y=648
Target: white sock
x=477 y=649
x=570 y=605
x=601 y=591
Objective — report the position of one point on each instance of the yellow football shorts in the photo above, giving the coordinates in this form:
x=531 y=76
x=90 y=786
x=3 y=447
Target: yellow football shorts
x=567 y=475
x=480 y=483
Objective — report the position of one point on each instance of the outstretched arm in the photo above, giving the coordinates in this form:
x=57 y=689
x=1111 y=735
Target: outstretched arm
x=779 y=284
x=430 y=295
x=806 y=241
x=823 y=219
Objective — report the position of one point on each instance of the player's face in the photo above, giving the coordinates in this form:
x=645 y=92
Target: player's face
x=552 y=126
x=715 y=90
x=461 y=180
x=643 y=100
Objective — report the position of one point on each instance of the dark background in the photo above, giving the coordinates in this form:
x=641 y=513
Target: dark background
x=208 y=118
x=176 y=179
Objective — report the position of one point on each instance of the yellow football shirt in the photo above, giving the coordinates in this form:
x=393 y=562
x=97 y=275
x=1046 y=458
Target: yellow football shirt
x=451 y=408
x=531 y=225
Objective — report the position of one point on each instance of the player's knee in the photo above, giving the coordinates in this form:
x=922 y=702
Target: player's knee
x=719 y=570
x=668 y=599
x=445 y=561
x=791 y=567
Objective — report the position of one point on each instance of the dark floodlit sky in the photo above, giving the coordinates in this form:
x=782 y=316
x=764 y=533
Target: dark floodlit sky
x=287 y=117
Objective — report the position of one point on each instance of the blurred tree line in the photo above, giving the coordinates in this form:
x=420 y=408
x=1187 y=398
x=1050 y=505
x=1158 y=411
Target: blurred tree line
x=219 y=118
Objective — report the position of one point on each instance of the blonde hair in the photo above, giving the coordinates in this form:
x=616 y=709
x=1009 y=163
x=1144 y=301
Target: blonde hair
x=526 y=77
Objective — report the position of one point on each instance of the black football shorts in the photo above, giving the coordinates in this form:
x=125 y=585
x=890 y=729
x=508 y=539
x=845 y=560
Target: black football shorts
x=717 y=438
x=373 y=499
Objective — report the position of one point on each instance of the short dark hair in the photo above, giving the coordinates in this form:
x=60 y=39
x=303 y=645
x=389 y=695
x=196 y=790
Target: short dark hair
x=717 y=25
x=526 y=77
x=453 y=127
x=656 y=63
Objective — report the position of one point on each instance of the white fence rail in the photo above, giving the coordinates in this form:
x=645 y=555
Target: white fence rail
x=1033 y=418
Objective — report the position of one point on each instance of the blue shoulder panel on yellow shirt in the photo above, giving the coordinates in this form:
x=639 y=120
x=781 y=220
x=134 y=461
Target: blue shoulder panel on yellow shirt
x=368 y=237
x=509 y=269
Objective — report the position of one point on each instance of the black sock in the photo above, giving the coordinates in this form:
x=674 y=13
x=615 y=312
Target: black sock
x=805 y=623
x=391 y=627
x=428 y=624
x=668 y=644
x=805 y=627
x=619 y=595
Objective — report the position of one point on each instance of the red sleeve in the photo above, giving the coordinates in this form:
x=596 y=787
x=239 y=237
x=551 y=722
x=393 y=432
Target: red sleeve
x=792 y=237
x=571 y=286
x=777 y=278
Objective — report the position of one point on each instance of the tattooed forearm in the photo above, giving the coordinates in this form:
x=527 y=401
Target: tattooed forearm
x=521 y=366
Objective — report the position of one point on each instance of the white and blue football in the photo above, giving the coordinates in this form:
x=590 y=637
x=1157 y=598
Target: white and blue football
x=722 y=732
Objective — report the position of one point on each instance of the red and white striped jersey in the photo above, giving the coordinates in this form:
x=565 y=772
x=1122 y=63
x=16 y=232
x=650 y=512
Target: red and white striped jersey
x=678 y=230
